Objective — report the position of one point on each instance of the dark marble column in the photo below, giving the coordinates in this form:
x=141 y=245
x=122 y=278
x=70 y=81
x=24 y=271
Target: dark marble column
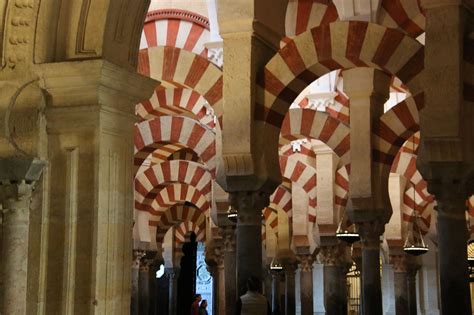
x=276 y=308
x=412 y=270
x=144 y=287
x=400 y=283
x=306 y=283
x=134 y=305
x=335 y=295
x=172 y=274
x=249 y=235
x=451 y=197
x=370 y=232
x=290 y=300
x=230 y=271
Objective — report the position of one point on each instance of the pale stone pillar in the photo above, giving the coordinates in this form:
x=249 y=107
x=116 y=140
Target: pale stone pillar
x=90 y=141
x=249 y=235
x=398 y=262
x=335 y=294
x=137 y=256
x=172 y=274
x=446 y=155
x=17 y=178
x=306 y=283
x=230 y=271
x=368 y=89
x=16 y=210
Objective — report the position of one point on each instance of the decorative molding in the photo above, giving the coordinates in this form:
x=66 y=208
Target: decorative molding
x=178 y=14
x=321 y=101
x=215 y=52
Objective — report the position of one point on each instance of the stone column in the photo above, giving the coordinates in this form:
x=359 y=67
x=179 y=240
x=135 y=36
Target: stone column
x=276 y=277
x=134 y=306
x=306 y=283
x=452 y=241
x=144 y=286
x=371 y=294
x=412 y=270
x=290 y=301
x=335 y=294
x=230 y=270
x=400 y=283
x=249 y=235
x=172 y=274
x=16 y=200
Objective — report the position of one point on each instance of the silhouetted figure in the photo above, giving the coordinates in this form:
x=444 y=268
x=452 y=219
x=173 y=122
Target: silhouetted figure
x=253 y=302
x=195 y=305
x=203 y=308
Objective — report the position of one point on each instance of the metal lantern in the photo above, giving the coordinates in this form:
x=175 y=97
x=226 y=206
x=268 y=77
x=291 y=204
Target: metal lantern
x=276 y=265
x=414 y=244
x=232 y=214
x=470 y=259
x=347 y=234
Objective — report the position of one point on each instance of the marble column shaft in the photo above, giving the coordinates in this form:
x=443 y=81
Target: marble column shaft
x=370 y=232
x=16 y=206
x=276 y=308
x=335 y=292
x=230 y=271
x=400 y=283
x=249 y=235
x=411 y=289
x=134 y=306
x=172 y=274
x=144 y=287
x=290 y=300
x=306 y=284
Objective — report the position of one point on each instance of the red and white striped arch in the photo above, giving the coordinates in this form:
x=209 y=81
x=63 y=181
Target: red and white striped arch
x=405 y=15
x=184 y=230
x=338 y=45
x=176 y=28
x=185 y=154
x=307 y=123
x=152 y=180
x=175 y=215
x=302 y=15
x=305 y=176
x=307 y=155
x=178 y=68
x=412 y=201
x=341 y=188
x=151 y=134
x=176 y=101
x=172 y=194
x=271 y=219
x=281 y=199
x=395 y=127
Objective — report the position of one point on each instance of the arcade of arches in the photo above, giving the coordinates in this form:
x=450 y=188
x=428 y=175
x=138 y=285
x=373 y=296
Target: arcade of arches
x=155 y=149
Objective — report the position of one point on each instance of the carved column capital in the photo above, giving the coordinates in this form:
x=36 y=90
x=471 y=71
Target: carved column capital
x=15 y=196
x=228 y=234
x=249 y=205
x=451 y=195
x=370 y=232
x=137 y=256
x=305 y=262
x=332 y=255
x=399 y=263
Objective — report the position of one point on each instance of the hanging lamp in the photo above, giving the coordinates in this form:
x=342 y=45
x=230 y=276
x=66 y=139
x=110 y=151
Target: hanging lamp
x=345 y=233
x=414 y=244
x=276 y=265
x=470 y=259
x=232 y=214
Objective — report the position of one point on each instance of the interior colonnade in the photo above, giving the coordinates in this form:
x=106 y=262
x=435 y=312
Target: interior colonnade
x=153 y=148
